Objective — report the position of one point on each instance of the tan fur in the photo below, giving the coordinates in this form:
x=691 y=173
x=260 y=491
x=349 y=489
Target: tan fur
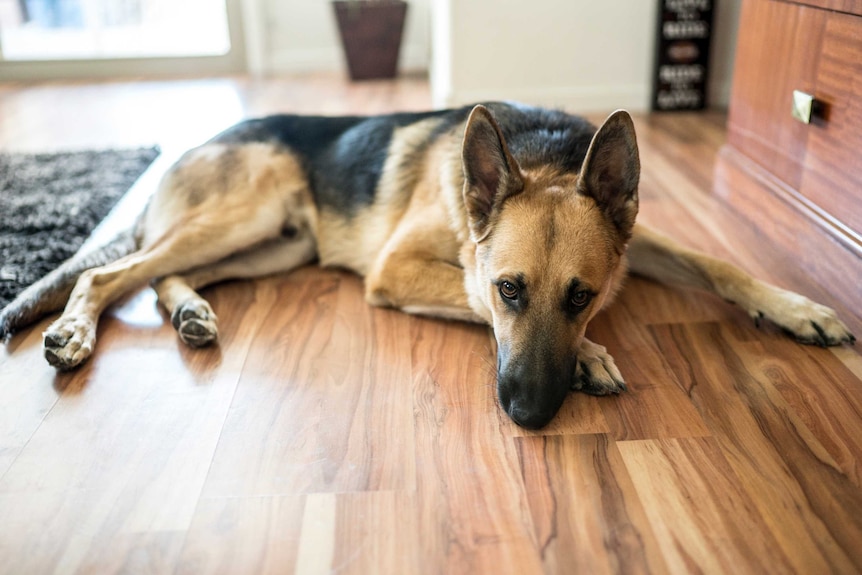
x=205 y=212
x=418 y=268
x=457 y=229
x=354 y=242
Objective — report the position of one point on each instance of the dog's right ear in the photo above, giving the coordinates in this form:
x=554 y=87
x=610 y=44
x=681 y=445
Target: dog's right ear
x=491 y=174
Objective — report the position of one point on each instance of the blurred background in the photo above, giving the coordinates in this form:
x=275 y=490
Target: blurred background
x=579 y=54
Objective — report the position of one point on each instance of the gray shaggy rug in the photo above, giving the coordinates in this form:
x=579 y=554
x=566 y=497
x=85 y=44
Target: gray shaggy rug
x=49 y=204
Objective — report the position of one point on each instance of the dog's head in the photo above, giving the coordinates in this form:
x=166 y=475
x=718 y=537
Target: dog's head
x=549 y=252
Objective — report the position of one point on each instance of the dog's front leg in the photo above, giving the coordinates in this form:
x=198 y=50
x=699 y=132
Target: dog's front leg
x=420 y=284
x=659 y=258
x=597 y=374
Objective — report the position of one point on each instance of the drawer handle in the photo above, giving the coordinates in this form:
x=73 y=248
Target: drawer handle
x=805 y=107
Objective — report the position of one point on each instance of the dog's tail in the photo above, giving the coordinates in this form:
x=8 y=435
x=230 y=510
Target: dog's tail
x=50 y=293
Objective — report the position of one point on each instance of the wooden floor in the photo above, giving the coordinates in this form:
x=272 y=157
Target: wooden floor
x=324 y=436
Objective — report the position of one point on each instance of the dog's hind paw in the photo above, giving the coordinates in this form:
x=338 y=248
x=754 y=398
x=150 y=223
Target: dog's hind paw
x=809 y=322
x=597 y=374
x=195 y=322
x=69 y=341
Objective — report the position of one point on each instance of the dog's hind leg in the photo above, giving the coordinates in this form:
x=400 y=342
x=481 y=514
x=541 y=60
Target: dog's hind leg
x=199 y=241
x=659 y=258
x=207 y=209
x=50 y=293
x=192 y=316
x=70 y=339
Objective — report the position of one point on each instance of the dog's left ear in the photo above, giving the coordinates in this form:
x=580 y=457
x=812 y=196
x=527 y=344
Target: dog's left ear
x=491 y=173
x=611 y=171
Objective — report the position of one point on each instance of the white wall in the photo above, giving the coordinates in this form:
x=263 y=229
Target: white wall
x=577 y=53
x=725 y=26
x=580 y=54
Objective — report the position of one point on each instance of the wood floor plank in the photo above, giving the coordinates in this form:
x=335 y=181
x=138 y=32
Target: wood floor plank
x=472 y=507
x=27 y=394
x=316 y=552
x=821 y=391
x=688 y=140
x=333 y=355
x=119 y=477
x=703 y=520
x=655 y=405
x=586 y=512
x=233 y=535
x=145 y=552
x=850 y=358
x=812 y=508
x=377 y=532
x=81 y=532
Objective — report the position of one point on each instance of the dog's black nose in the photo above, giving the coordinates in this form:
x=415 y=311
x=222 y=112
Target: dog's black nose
x=528 y=419
x=530 y=388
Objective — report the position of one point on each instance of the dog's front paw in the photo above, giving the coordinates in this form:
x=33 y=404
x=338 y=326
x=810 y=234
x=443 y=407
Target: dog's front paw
x=69 y=341
x=597 y=374
x=807 y=321
x=195 y=322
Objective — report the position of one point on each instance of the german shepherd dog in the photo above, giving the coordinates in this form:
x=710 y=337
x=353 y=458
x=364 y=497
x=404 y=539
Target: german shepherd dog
x=517 y=217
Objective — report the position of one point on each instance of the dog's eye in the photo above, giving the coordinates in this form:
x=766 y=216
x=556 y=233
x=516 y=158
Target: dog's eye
x=580 y=298
x=508 y=290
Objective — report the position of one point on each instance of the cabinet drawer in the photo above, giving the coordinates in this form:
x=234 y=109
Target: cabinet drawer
x=832 y=174
x=776 y=53
x=784 y=47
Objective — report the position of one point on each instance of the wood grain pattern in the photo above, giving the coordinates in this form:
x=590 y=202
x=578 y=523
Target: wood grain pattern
x=324 y=436
x=814 y=510
x=325 y=366
x=581 y=496
x=833 y=167
x=472 y=507
x=696 y=505
x=377 y=532
x=243 y=534
x=822 y=391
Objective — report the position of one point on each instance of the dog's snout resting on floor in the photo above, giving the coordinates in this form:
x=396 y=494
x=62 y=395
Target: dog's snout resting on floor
x=518 y=217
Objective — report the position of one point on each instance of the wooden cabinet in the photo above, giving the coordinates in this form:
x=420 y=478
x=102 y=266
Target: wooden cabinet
x=832 y=170
x=848 y=6
x=801 y=183
x=784 y=47
x=774 y=57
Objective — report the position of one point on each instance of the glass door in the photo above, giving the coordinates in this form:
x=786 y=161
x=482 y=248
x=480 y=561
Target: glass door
x=100 y=30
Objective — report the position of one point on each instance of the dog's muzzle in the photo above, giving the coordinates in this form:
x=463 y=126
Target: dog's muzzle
x=531 y=392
